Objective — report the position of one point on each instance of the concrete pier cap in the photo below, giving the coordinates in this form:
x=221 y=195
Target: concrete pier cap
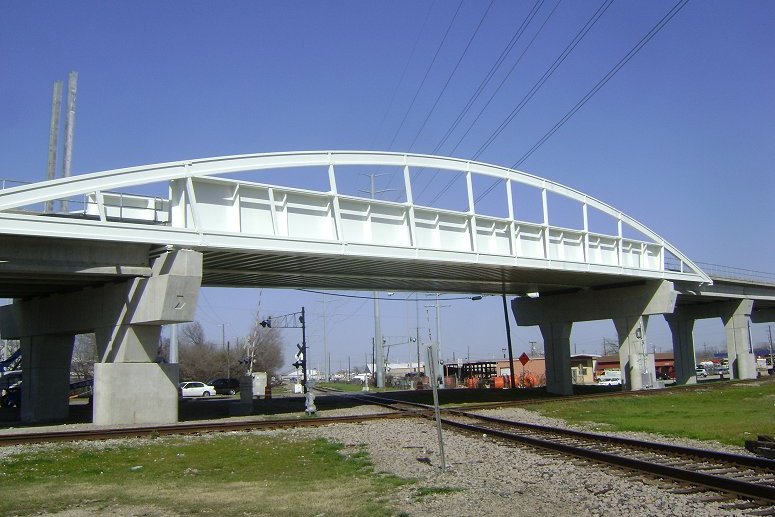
x=628 y=306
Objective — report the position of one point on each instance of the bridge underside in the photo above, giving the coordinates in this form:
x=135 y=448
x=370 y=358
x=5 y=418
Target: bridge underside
x=238 y=269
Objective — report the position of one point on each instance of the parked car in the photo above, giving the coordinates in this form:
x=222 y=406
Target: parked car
x=700 y=372
x=225 y=386
x=609 y=381
x=195 y=389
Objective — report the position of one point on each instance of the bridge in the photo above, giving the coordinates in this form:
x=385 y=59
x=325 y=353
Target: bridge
x=128 y=250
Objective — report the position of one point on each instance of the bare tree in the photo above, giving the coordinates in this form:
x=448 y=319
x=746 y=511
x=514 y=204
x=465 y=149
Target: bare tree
x=610 y=346
x=263 y=348
x=84 y=357
x=192 y=334
x=7 y=348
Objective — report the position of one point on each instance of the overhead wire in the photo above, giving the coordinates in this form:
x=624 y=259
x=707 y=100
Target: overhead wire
x=545 y=77
x=493 y=69
x=425 y=77
x=370 y=297
x=488 y=77
x=451 y=75
x=607 y=77
x=487 y=104
x=403 y=72
x=634 y=50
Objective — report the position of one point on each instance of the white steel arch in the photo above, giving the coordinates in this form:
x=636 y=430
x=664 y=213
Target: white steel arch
x=206 y=211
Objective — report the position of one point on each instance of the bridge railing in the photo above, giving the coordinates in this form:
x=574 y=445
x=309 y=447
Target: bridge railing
x=735 y=273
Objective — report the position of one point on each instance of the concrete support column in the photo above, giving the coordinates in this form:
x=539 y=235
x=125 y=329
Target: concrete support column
x=46 y=377
x=129 y=386
x=637 y=365
x=629 y=307
x=682 y=328
x=737 y=318
x=557 y=349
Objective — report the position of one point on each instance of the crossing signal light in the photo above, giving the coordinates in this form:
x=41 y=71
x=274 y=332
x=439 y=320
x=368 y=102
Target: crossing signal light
x=298 y=364
x=266 y=323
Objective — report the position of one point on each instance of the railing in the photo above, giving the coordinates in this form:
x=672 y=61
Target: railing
x=6 y=183
x=720 y=272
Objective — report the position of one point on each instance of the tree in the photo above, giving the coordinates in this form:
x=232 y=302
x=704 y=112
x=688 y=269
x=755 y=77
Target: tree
x=7 y=348
x=197 y=357
x=84 y=357
x=263 y=348
x=610 y=346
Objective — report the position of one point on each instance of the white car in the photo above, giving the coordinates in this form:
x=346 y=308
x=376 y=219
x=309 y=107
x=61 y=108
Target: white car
x=195 y=389
x=609 y=381
x=700 y=372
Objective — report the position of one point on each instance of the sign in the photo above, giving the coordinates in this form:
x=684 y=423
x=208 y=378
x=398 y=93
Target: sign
x=524 y=359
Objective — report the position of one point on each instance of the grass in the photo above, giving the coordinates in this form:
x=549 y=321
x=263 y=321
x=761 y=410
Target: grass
x=352 y=387
x=224 y=475
x=726 y=412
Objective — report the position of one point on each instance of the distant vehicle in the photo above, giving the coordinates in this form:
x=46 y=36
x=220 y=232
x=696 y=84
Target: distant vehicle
x=195 y=389
x=12 y=397
x=8 y=379
x=610 y=378
x=225 y=386
x=700 y=372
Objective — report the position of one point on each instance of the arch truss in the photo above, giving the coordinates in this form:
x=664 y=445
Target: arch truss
x=223 y=204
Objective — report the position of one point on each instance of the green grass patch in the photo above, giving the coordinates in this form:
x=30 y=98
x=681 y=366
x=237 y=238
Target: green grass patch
x=344 y=386
x=226 y=475
x=726 y=412
x=434 y=490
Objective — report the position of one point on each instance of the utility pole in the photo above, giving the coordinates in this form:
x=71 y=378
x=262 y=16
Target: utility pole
x=508 y=337
x=769 y=330
x=224 y=346
x=327 y=372
x=380 y=359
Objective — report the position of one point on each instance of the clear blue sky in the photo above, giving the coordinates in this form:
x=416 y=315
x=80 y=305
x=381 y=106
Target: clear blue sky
x=682 y=138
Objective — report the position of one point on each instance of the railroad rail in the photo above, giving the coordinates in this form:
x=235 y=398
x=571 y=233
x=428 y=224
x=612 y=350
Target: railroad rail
x=186 y=428
x=749 y=477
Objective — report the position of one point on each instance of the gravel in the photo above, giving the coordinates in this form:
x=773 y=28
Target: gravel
x=484 y=476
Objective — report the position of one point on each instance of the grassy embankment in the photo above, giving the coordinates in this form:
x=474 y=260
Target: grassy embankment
x=222 y=475
x=727 y=412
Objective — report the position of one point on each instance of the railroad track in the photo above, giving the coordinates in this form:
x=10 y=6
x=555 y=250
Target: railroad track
x=749 y=477
x=186 y=428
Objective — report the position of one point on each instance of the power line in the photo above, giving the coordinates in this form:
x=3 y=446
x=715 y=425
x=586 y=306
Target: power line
x=370 y=297
x=487 y=104
x=494 y=68
x=449 y=79
x=607 y=77
x=425 y=77
x=545 y=77
x=403 y=72
x=634 y=50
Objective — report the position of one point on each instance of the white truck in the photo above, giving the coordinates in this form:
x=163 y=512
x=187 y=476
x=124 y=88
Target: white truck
x=610 y=378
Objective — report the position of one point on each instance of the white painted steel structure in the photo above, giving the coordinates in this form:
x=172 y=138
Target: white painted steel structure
x=209 y=212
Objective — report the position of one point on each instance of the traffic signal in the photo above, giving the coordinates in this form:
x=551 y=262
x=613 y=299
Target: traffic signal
x=267 y=322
